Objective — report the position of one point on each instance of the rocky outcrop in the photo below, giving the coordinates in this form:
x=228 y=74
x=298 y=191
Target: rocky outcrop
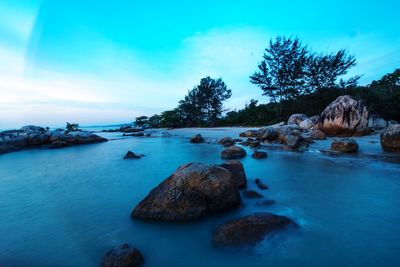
x=129 y=129
x=226 y=141
x=345 y=117
x=390 y=138
x=35 y=136
x=260 y=184
x=376 y=123
x=123 y=256
x=259 y=155
x=197 y=139
x=131 y=155
x=345 y=146
x=296 y=119
x=233 y=152
x=194 y=190
x=268 y=134
x=318 y=135
x=250 y=229
x=252 y=194
x=249 y=133
x=236 y=168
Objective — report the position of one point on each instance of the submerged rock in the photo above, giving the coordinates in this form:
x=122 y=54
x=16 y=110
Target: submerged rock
x=390 y=138
x=250 y=229
x=131 y=155
x=259 y=155
x=345 y=145
x=345 y=117
x=233 y=152
x=260 y=184
x=226 y=141
x=194 y=190
x=252 y=194
x=238 y=174
x=123 y=256
x=197 y=139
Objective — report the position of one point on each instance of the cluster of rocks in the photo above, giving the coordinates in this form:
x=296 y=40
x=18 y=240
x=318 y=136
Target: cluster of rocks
x=35 y=136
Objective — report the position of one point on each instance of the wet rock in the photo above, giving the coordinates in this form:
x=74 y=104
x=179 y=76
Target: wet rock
x=252 y=194
x=58 y=144
x=123 y=256
x=296 y=119
x=130 y=129
x=249 y=133
x=250 y=229
x=260 y=184
x=131 y=155
x=269 y=134
x=259 y=155
x=318 y=135
x=194 y=190
x=254 y=144
x=345 y=117
x=233 y=152
x=345 y=145
x=285 y=131
x=197 y=139
x=236 y=168
x=306 y=124
x=226 y=141
x=293 y=141
x=376 y=123
x=265 y=203
x=390 y=138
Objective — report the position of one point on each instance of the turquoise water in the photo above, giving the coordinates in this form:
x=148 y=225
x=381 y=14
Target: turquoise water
x=67 y=207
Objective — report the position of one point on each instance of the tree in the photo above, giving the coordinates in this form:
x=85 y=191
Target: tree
x=281 y=73
x=204 y=103
x=155 y=121
x=142 y=121
x=323 y=70
x=72 y=127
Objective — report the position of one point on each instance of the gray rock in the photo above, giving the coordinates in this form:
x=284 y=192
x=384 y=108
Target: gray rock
x=233 y=152
x=390 y=138
x=123 y=256
x=345 y=145
x=296 y=119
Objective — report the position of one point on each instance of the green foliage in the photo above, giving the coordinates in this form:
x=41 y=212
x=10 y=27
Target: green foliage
x=142 y=121
x=72 y=127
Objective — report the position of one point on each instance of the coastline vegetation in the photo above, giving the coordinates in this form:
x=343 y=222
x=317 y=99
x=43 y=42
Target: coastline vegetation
x=294 y=79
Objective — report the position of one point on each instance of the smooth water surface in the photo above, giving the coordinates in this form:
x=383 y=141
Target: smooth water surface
x=67 y=207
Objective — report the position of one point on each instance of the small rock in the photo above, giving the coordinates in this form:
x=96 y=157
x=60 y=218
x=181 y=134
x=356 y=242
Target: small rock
x=345 y=145
x=197 y=139
x=293 y=141
x=390 y=138
x=269 y=134
x=260 y=184
x=250 y=229
x=259 y=155
x=123 y=256
x=226 y=141
x=131 y=155
x=249 y=133
x=252 y=194
x=233 y=152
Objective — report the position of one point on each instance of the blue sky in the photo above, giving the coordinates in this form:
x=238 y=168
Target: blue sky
x=99 y=62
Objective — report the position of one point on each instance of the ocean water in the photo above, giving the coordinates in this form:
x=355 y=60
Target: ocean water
x=67 y=207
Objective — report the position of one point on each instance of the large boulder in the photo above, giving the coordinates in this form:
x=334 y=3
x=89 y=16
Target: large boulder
x=123 y=256
x=318 y=135
x=376 y=123
x=226 y=141
x=233 y=152
x=296 y=119
x=237 y=170
x=197 y=139
x=259 y=155
x=250 y=229
x=390 y=138
x=268 y=133
x=306 y=124
x=345 y=117
x=345 y=145
x=286 y=130
x=194 y=190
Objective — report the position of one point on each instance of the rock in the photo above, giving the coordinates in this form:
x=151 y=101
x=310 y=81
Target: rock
x=390 y=138
x=194 y=190
x=235 y=167
x=293 y=141
x=266 y=203
x=131 y=155
x=247 y=142
x=5 y=148
x=344 y=145
x=296 y=119
x=226 y=141
x=254 y=144
x=250 y=229
x=269 y=134
x=252 y=194
x=233 y=152
x=259 y=155
x=285 y=131
x=123 y=256
x=345 y=117
x=137 y=134
x=249 y=133
x=197 y=139
x=57 y=144
x=376 y=123
x=260 y=184
x=130 y=129
x=318 y=135
x=306 y=124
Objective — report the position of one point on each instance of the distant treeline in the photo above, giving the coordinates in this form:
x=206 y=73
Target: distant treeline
x=294 y=79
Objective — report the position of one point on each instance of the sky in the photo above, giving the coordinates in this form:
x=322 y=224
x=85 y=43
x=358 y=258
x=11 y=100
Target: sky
x=100 y=62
